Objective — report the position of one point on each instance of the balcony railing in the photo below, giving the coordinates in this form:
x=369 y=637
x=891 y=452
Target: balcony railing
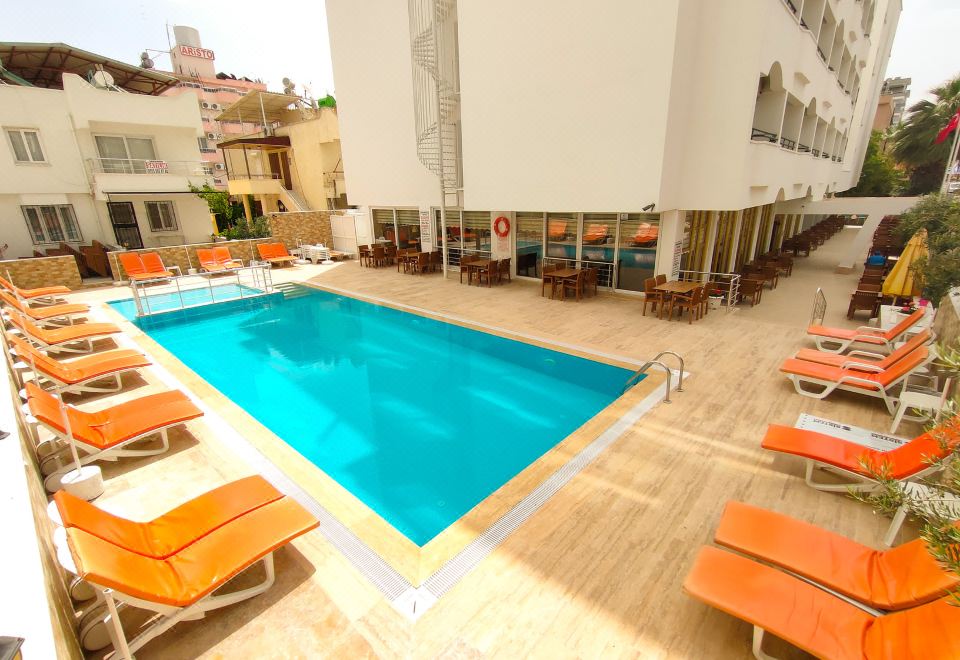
x=787 y=143
x=759 y=134
x=156 y=166
x=804 y=148
x=816 y=153
x=238 y=176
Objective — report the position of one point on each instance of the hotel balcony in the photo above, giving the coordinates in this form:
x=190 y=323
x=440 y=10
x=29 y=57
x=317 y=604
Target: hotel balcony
x=131 y=175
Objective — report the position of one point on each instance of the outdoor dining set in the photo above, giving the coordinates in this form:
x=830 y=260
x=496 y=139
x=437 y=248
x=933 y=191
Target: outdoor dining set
x=410 y=260
x=562 y=280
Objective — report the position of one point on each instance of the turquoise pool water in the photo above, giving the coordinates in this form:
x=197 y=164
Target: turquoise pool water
x=419 y=419
x=156 y=303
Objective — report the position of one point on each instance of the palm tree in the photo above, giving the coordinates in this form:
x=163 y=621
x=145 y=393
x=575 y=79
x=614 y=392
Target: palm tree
x=913 y=141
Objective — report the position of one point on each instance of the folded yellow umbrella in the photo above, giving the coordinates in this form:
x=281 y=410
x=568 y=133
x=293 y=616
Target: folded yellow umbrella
x=903 y=281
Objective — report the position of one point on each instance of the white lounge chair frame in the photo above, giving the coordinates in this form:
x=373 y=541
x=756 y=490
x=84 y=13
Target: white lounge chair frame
x=875 y=390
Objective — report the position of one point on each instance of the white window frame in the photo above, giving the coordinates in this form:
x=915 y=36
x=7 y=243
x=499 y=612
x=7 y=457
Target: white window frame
x=61 y=210
x=128 y=168
x=173 y=215
x=25 y=129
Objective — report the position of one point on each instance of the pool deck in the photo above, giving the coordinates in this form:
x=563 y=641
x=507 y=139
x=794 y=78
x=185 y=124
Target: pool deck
x=597 y=570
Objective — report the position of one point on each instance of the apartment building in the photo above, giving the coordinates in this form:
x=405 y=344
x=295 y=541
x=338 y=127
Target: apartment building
x=194 y=67
x=633 y=136
x=293 y=164
x=90 y=152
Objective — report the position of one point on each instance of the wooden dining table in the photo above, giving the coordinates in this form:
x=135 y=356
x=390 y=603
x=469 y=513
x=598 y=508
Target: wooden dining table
x=474 y=266
x=678 y=287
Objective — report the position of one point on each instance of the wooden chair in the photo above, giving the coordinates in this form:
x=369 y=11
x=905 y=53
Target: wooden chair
x=661 y=279
x=772 y=275
x=871 y=280
x=872 y=288
x=421 y=264
x=364 y=254
x=591 y=280
x=436 y=261
x=867 y=300
x=690 y=302
x=379 y=255
x=573 y=284
x=652 y=297
x=751 y=290
x=465 y=259
x=491 y=272
x=546 y=278
x=505 y=270
x=390 y=253
x=708 y=288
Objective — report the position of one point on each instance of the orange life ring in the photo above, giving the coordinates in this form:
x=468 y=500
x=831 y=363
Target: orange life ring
x=501 y=226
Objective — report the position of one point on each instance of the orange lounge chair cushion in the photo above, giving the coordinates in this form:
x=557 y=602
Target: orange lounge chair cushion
x=81 y=369
x=41 y=313
x=174 y=530
x=903 y=577
x=904 y=461
x=34 y=293
x=223 y=258
x=791 y=609
x=206 y=258
x=819 y=622
x=197 y=569
x=845 y=333
x=835 y=360
x=112 y=426
x=132 y=264
x=53 y=336
x=880 y=380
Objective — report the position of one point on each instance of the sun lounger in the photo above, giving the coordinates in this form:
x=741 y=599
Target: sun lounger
x=173 y=531
x=645 y=235
x=46 y=295
x=105 y=434
x=909 y=461
x=837 y=340
x=76 y=375
x=50 y=314
x=225 y=259
x=556 y=230
x=63 y=339
x=817 y=621
x=142 y=267
x=865 y=360
x=217 y=260
x=275 y=253
x=182 y=585
x=895 y=579
x=595 y=233
x=819 y=380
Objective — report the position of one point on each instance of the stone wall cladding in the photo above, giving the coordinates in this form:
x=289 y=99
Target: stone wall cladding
x=38 y=272
x=185 y=256
x=947 y=323
x=306 y=226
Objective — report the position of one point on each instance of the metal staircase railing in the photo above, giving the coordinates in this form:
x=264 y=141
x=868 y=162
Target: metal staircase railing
x=656 y=362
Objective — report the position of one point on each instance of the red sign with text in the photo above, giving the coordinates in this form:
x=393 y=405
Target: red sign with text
x=193 y=51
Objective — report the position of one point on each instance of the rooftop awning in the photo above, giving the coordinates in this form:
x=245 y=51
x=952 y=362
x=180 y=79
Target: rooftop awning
x=261 y=107
x=266 y=143
x=43 y=65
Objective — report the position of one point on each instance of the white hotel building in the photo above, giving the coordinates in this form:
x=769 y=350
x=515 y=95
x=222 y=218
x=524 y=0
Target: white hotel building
x=89 y=152
x=640 y=135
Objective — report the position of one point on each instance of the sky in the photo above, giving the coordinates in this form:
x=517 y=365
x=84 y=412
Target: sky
x=253 y=39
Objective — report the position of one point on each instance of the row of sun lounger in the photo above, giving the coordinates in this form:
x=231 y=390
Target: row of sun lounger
x=146 y=266
x=822 y=592
x=173 y=566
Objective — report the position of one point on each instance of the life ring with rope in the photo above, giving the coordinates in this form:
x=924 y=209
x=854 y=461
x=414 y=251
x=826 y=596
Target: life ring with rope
x=501 y=226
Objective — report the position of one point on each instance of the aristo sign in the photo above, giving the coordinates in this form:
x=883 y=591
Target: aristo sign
x=193 y=51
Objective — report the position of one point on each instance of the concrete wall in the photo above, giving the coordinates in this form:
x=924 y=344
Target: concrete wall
x=42 y=271
x=315 y=151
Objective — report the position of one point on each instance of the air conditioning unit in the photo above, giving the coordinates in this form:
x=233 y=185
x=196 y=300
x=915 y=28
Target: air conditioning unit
x=211 y=136
x=215 y=106
x=218 y=166
x=205 y=105
x=219 y=136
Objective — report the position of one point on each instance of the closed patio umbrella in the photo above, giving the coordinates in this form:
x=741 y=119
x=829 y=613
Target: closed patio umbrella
x=903 y=281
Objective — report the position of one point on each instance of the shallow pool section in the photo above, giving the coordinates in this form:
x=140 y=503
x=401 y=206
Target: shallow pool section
x=158 y=299
x=419 y=419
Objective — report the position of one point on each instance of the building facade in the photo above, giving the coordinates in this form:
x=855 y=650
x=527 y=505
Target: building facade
x=898 y=89
x=95 y=162
x=641 y=137
x=195 y=69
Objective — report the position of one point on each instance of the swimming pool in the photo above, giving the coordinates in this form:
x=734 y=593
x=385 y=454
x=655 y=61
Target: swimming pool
x=155 y=300
x=419 y=419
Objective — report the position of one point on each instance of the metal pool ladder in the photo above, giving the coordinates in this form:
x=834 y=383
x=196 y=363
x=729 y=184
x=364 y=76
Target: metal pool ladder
x=656 y=362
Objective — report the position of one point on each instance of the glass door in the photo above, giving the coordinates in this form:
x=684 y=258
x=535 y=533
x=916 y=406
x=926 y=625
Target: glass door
x=637 y=253
x=598 y=243
x=529 y=248
x=561 y=243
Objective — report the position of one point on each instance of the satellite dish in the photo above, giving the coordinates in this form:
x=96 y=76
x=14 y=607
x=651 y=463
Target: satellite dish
x=288 y=85
x=145 y=61
x=102 y=79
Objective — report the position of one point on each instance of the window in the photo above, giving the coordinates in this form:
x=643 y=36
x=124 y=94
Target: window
x=161 y=216
x=52 y=224
x=124 y=155
x=26 y=145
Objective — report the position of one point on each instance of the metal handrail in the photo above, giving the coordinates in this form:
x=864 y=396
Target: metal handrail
x=150 y=166
x=733 y=293
x=256 y=275
x=819 y=307
x=634 y=378
x=604 y=268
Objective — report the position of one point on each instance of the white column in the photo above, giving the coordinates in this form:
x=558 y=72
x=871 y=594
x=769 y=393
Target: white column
x=857 y=251
x=735 y=244
x=713 y=223
x=751 y=253
x=670 y=243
